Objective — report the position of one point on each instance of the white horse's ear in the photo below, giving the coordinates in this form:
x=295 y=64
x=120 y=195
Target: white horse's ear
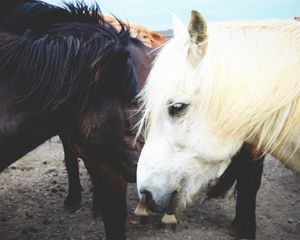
x=198 y=35
x=178 y=27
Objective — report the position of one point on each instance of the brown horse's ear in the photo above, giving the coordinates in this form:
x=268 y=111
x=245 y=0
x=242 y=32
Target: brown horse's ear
x=198 y=34
x=117 y=76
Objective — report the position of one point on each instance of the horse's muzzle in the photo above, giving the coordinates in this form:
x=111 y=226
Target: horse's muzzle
x=168 y=205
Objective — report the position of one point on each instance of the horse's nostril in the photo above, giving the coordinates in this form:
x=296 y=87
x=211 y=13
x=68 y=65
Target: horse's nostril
x=173 y=203
x=146 y=197
x=174 y=195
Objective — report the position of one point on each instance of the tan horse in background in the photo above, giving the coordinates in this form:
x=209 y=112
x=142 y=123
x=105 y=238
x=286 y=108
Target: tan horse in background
x=149 y=38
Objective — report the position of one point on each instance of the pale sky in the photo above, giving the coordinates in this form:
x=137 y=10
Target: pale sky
x=156 y=14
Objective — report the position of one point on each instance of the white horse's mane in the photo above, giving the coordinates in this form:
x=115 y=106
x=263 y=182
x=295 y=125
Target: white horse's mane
x=248 y=83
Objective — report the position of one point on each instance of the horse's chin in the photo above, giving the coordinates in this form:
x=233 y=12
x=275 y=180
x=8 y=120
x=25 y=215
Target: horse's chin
x=187 y=199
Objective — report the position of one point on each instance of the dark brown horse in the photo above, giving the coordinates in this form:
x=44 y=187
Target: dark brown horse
x=64 y=73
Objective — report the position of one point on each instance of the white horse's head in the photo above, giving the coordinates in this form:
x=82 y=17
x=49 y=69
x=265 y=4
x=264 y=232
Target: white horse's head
x=175 y=163
x=211 y=89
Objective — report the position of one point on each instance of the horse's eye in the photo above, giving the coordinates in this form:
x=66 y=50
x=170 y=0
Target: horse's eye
x=177 y=108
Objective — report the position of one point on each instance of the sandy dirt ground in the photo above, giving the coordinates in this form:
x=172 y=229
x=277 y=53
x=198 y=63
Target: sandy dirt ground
x=33 y=189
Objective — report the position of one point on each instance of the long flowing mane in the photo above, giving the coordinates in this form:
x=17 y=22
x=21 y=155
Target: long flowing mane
x=248 y=83
x=72 y=58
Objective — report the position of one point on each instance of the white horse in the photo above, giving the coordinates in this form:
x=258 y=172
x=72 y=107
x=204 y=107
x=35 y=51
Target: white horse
x=212 y=88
